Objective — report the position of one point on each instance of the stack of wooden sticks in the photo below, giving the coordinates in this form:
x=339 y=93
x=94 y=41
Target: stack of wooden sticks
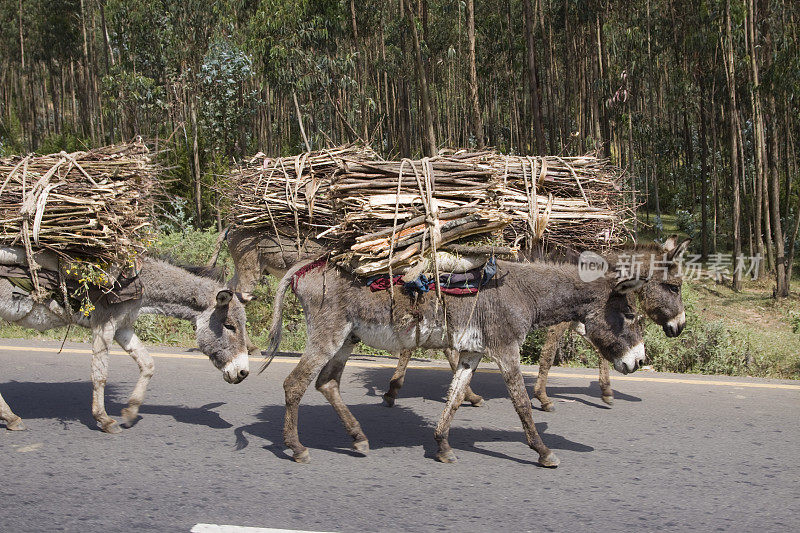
x=379 y=214
x=94 y=204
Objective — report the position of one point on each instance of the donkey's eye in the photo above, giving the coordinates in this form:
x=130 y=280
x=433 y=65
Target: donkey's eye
x=230 y=327
x=630 y=316
x=674 y=288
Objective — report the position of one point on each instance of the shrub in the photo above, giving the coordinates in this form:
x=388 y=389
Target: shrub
x=686 y=222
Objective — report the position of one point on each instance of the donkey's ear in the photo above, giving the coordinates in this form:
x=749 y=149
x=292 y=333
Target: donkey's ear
x=679 y=250
x=224 y=297
x=670 y=244
x=628 y=285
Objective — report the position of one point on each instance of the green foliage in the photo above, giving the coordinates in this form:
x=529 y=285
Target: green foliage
x=686 y=222
x=227 y=103
x=794 y=320
x=68 y=142
x=10 y=135
x=133 y=97
x=190 y=247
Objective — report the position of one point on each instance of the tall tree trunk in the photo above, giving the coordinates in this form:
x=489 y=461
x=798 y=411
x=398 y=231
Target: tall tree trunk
x=782 y=286
x=429 y=135
x=475 y=108
x=198 y=189
x=731 y=78
x=703 y=173
x=533 y=83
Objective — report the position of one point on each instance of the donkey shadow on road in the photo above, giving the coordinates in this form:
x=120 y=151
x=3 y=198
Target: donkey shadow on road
x=67 y=401
x=398 y=427
x=432 y=385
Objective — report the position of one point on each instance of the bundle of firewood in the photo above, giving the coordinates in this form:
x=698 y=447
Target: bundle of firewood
x=92 y=205
x=379 y=214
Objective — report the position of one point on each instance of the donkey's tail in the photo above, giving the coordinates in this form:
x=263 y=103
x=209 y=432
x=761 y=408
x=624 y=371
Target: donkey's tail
x=276 y=328
x=223 y=236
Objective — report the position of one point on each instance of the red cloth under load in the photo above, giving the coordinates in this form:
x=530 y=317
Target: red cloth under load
x=305 y=270
x=382 y=284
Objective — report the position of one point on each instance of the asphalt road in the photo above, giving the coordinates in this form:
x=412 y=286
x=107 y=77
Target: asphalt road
x=674 y=453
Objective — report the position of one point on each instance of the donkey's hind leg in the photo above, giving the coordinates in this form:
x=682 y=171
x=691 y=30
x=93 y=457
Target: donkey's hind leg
x=469 y=396
x=102 y=336
x=605 y=382
x=548 y=355
x=399 y=376
x=508 y=361
x=294 y=387
x=13 y=422
x=328 y=383
x=466 y=367
x=129 y=342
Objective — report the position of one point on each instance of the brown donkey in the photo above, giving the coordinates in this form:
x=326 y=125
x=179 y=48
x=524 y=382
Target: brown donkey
x=340 y=311
x=661 y=301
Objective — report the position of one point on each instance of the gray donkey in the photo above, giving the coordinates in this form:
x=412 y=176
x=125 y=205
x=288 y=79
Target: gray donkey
x=340 y=311
x=661 y=301
x=168 y=290
x=255 y=252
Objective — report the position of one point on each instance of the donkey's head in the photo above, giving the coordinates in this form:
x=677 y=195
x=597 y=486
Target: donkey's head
x=660 y=296
x=222 y=336
x=612 y=326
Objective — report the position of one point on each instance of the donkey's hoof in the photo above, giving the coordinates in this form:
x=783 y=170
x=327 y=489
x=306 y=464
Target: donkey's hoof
x=16 y=425
x=548 y=406
x=388 y=401
x=608 y=400
x=361 y=446
x=550 y=460
x=477 y=401
x=112 y=428
x=446 y=457
x=129 y=416
x=303 y=457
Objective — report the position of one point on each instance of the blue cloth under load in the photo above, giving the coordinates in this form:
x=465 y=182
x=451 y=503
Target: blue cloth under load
x=453 y=283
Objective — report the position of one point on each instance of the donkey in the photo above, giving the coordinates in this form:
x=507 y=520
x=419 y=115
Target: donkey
x=255 y=253
x=661 y=301
x=169 y=290
x=340 y=311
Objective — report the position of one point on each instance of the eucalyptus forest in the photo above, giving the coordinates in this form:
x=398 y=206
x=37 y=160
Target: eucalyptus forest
x=696 y=100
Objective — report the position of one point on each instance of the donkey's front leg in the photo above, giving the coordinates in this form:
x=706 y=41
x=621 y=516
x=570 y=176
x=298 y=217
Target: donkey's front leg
x=399 y=376
x=466 y=367
x=508 y=361
x=469 y=396
x=328 y=383
x=102 y=336
x=129 y=342
x=605 y=382
x=13 y=422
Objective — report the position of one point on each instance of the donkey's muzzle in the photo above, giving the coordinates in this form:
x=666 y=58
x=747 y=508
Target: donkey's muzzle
x=238 y=369
x=631 y=361
x=674 y=327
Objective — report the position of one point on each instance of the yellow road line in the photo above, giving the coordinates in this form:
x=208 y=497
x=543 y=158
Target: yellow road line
x=366 y=364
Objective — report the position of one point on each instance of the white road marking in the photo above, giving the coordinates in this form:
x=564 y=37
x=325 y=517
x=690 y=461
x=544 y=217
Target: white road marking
x=30 y=447
x=214 y=528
